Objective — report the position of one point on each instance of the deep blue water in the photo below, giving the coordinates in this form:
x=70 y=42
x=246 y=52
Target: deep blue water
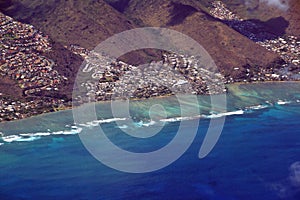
x=253 y=159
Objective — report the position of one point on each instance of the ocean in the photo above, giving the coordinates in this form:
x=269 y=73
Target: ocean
x=256 y=157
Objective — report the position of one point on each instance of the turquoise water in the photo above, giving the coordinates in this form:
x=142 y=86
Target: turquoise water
x=256 y=157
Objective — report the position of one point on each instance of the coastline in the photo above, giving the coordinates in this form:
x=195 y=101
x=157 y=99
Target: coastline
x=66 y=108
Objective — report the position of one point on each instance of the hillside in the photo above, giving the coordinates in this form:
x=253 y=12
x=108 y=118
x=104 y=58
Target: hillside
x=87 y=23
x=62 y=24
x=84 y=23
x=228 y=48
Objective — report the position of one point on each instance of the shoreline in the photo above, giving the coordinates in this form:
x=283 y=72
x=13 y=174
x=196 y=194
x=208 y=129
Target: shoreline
x=151 y=98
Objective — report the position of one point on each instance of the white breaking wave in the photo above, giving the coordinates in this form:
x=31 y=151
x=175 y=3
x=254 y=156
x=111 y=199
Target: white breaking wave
x=123 y=126
x=218 y=115
x=110 y=120
x=28 y=137
x=151 y=123
x=138 y=124
x=11 y=138
x=58 y=133
x=1 y=144
x=258 y=107
x=73 y=131
x=177 y=119
x=98 y=122
x=281 y=102
x=211 y=116
x=68 y=132
x=35 y=134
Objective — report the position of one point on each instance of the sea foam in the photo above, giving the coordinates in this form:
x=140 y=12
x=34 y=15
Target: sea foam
x=11 y=138
x=257 y=107
x=28 y=137
x=177 y=119
x=103 y=121
x=281 y=102
x=218 y=115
